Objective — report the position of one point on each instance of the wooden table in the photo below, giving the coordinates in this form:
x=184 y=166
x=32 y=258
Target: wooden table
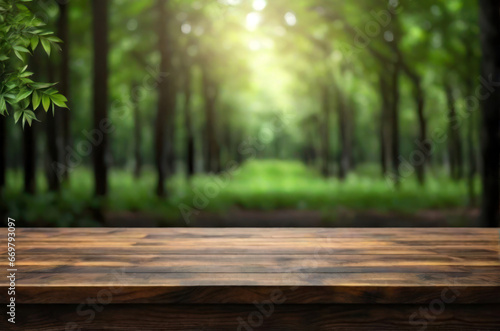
x=254 y=279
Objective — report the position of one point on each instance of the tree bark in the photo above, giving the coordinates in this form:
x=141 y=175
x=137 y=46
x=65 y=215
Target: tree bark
x=53 y=138
x=137 y=131
x=164 y=97
x=455 y=149
x=3 y=152
x=325 y=102
x=190 y=151
x=385 y=120
x=29 y=159
x=53 y=152
x=63 y=86
x=210 y=95
x=471 y=149
x=344 y=155
x=394 y=114
x=490 y=127
x=423 y=145
x=422 y=131
x=100 y=94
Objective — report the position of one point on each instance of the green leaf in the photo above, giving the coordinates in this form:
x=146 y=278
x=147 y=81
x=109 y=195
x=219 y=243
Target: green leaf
x=29 y=114
x=23 y=95
x=45 y=102
x=42 y=85
x=36 y=99
x=58 y=97
x=50 y=91
x=34 y=42
x=17 y=115
x=54 y=39
x=3 y=57
x=19 y=56
x=58 y=101
x=20 y=49
x=25 y=74
x=3 y=106
x=46 y=46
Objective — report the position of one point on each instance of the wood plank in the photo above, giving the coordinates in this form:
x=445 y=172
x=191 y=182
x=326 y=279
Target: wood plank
x=270 y=260
x=126 y=294
x=258 y=250
x=237 y=317
x=387 y=279
x=334 y=265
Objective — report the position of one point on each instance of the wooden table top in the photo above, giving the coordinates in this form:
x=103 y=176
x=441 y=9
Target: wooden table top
x=244 y=265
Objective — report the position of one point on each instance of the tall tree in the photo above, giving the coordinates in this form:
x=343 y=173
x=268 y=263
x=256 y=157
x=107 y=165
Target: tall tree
x=165 y=96
x=210 y=96
x=489 y=20
x=394 y=121
x=137 y=130
x=100 y=93
x=455 y=150
x=63 y=31
x=188 y=123
x=3 y=151
x=325 y=129
x=384 y=124
x=53 y=145
x=419 y=97
x=29 y=159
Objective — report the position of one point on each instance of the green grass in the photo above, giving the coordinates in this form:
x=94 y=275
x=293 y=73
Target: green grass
x=257 y=185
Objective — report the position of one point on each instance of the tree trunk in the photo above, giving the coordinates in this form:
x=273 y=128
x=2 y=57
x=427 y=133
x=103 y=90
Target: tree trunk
x=344 y=136
x=472 y=170
x=171 y=133
x=325 y=102
x=385 y=120
x=53 y=139
x=53 y=151
x=471 y=149
x=210 y=94
x=164 y=97
x=3 y=151
x=490 y=145
x=422 y=144
x=395 y=122
x=63 y=86
x=137 y=132
x=422 y=132
x=190 y=151
x=29 y=152
x=100 y=94
x=455 y=149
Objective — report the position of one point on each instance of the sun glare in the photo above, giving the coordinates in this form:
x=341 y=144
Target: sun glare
x=253 y=20
x=290 y=19
x=259 y=5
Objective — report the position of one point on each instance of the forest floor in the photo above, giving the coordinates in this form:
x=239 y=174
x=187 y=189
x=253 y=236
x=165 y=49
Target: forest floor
x=260 y=193
x=457 y=217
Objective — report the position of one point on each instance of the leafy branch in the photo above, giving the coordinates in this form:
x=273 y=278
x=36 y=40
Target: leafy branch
x=20 y=34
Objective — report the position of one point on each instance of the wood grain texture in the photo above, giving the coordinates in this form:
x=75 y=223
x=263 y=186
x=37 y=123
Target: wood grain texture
x=251 y=317
x=240 y=266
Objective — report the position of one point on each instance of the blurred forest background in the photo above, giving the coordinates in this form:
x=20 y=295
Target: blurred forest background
x=253 y=112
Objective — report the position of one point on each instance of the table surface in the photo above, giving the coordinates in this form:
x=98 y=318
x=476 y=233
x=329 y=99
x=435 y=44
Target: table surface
x=242 y=265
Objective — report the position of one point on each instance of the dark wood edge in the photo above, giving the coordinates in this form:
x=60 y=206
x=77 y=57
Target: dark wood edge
x=250 y=294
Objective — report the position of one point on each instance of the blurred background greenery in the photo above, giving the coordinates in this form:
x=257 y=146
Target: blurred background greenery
x=219 y=107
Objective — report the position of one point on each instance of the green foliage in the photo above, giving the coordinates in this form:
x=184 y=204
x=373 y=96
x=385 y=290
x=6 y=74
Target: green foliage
x=20 y=34
x=257 y=185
